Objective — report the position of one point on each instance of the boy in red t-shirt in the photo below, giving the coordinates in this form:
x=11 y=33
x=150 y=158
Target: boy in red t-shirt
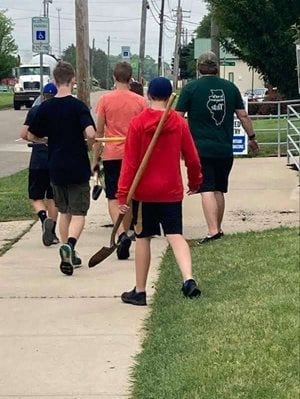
x=159 y=194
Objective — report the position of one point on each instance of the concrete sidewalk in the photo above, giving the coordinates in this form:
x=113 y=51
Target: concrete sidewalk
x=71 y=337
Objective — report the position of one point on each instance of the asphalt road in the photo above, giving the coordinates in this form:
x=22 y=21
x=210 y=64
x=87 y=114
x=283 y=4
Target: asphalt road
x=14 y=155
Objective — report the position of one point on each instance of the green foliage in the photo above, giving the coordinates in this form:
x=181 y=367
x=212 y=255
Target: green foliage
x=240 y=340
x=273 y=52
x=8 y=46
x=69 y=55
x=187 y=63
x=203 y=29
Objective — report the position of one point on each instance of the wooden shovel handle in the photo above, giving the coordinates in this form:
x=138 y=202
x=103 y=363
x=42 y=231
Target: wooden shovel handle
x=143 y=165
x=149 y=150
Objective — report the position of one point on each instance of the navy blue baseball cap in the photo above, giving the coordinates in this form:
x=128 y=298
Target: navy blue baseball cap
x=160 y=88
x=50 y=88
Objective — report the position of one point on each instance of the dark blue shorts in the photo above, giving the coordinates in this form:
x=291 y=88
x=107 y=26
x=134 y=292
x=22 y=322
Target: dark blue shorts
x=215 y=174
x=39 y=186
x=149 y=216
x=112 y=169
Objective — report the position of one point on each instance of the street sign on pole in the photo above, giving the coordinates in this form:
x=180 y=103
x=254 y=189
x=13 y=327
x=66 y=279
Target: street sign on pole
x=40 y=34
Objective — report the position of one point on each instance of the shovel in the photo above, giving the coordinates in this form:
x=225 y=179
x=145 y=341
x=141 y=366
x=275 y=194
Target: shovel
x=105 y=252
x=99 y=183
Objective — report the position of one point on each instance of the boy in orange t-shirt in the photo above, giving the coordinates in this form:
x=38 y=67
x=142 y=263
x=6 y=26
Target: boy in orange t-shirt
x=115 y=111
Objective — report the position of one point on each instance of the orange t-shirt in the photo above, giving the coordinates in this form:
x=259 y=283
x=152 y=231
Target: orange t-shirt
x=118 y=107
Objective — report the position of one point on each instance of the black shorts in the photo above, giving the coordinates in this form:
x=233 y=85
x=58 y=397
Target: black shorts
x=72 y=198
x=112 y=169
x=39 y=186
x=215 y=174
x=148 y=216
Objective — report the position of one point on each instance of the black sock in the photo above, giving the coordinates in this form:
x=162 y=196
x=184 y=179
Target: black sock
x=42 y=215
x=72 y=241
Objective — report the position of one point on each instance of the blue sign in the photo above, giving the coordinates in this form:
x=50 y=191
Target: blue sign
x=40 y=35
x=239 y=144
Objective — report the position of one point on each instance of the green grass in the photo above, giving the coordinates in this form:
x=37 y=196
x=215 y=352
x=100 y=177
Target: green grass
x=240 y=340
x=270 y=136
x=14 y=202
x=6 y=100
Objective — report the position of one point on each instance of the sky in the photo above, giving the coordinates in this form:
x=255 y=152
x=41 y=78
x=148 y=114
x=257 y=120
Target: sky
x=118 y=19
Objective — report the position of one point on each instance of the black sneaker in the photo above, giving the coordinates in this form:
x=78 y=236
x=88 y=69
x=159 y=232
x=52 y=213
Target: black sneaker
x=207 y=239
x=124 y=243
x=66 y=255
x=190 y=289
x=134 y=298
x=48 y=235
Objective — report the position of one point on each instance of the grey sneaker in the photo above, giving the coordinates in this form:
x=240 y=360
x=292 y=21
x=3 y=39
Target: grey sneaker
x=55 y=240
x=76 y=260
x=66 y=264
x=48 y=234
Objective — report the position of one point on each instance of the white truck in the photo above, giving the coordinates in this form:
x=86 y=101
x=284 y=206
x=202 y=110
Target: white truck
x=27 y=88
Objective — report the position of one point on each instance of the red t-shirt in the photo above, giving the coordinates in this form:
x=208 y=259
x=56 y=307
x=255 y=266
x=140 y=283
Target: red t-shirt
x=162 y=180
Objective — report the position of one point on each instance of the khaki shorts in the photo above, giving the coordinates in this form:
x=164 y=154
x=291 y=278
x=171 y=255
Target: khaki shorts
x=72 y=198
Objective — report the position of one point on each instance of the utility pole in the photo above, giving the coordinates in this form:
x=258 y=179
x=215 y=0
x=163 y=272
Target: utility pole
x=177 y=45
x=46 y=14
x=59 y=37
x=161 y=25
x=145 y=6
x=214 y=33
x=92 y=60
x=82 y=51
x=108 y=63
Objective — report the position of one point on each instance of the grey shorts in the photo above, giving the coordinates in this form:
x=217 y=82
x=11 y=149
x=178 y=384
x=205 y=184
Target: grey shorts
x=72 y=198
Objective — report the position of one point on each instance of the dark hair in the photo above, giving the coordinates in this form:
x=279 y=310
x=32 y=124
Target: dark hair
x=137 y=88
x=208 y=69
x=63 y=73
x=123 y=72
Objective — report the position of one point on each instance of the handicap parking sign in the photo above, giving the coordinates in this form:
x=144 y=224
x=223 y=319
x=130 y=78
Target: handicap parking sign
x=40 y=35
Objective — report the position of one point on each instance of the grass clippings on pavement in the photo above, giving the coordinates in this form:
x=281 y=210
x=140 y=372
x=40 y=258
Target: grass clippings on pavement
x=240 y=339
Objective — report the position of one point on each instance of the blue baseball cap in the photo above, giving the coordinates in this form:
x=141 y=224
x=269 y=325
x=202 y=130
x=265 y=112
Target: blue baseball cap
x=50 y=88
x=160 y=88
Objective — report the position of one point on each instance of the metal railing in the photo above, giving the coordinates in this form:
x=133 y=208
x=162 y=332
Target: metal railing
x=280 y=114
x=293 y=135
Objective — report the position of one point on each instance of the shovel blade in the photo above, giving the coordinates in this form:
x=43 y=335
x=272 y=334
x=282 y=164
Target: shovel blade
x=102 y=254
x=96 y=192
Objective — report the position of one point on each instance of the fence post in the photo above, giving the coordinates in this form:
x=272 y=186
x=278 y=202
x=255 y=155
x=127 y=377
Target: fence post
x=279 y=131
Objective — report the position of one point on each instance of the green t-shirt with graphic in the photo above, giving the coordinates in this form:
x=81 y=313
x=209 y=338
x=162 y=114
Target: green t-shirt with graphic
x=210 y=103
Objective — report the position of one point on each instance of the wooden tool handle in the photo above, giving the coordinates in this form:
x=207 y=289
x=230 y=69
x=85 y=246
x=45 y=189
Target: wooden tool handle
x=149 y=150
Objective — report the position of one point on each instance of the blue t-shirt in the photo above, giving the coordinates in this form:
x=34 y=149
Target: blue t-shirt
x=39 y=153
x=63 y=120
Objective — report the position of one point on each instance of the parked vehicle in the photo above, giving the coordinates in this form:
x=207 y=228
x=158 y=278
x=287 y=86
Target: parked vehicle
x=27 y=88
x=256 y=94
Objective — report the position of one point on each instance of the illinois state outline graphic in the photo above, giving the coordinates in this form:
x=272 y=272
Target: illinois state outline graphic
x=216 y=105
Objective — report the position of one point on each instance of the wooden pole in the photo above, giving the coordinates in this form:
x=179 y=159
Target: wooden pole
x=82 y=51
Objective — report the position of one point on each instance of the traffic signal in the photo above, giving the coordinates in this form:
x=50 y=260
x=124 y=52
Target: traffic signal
x=172 y=65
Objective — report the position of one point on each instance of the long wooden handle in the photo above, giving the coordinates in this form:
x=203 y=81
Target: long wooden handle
x=142 y=166
x=149 y=150
x=111 y=139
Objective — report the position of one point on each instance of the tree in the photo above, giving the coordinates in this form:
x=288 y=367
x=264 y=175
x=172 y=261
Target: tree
x=8 y=47
x=261 y=35
x=187 y=63
x=203 y=29
x=69 y=55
